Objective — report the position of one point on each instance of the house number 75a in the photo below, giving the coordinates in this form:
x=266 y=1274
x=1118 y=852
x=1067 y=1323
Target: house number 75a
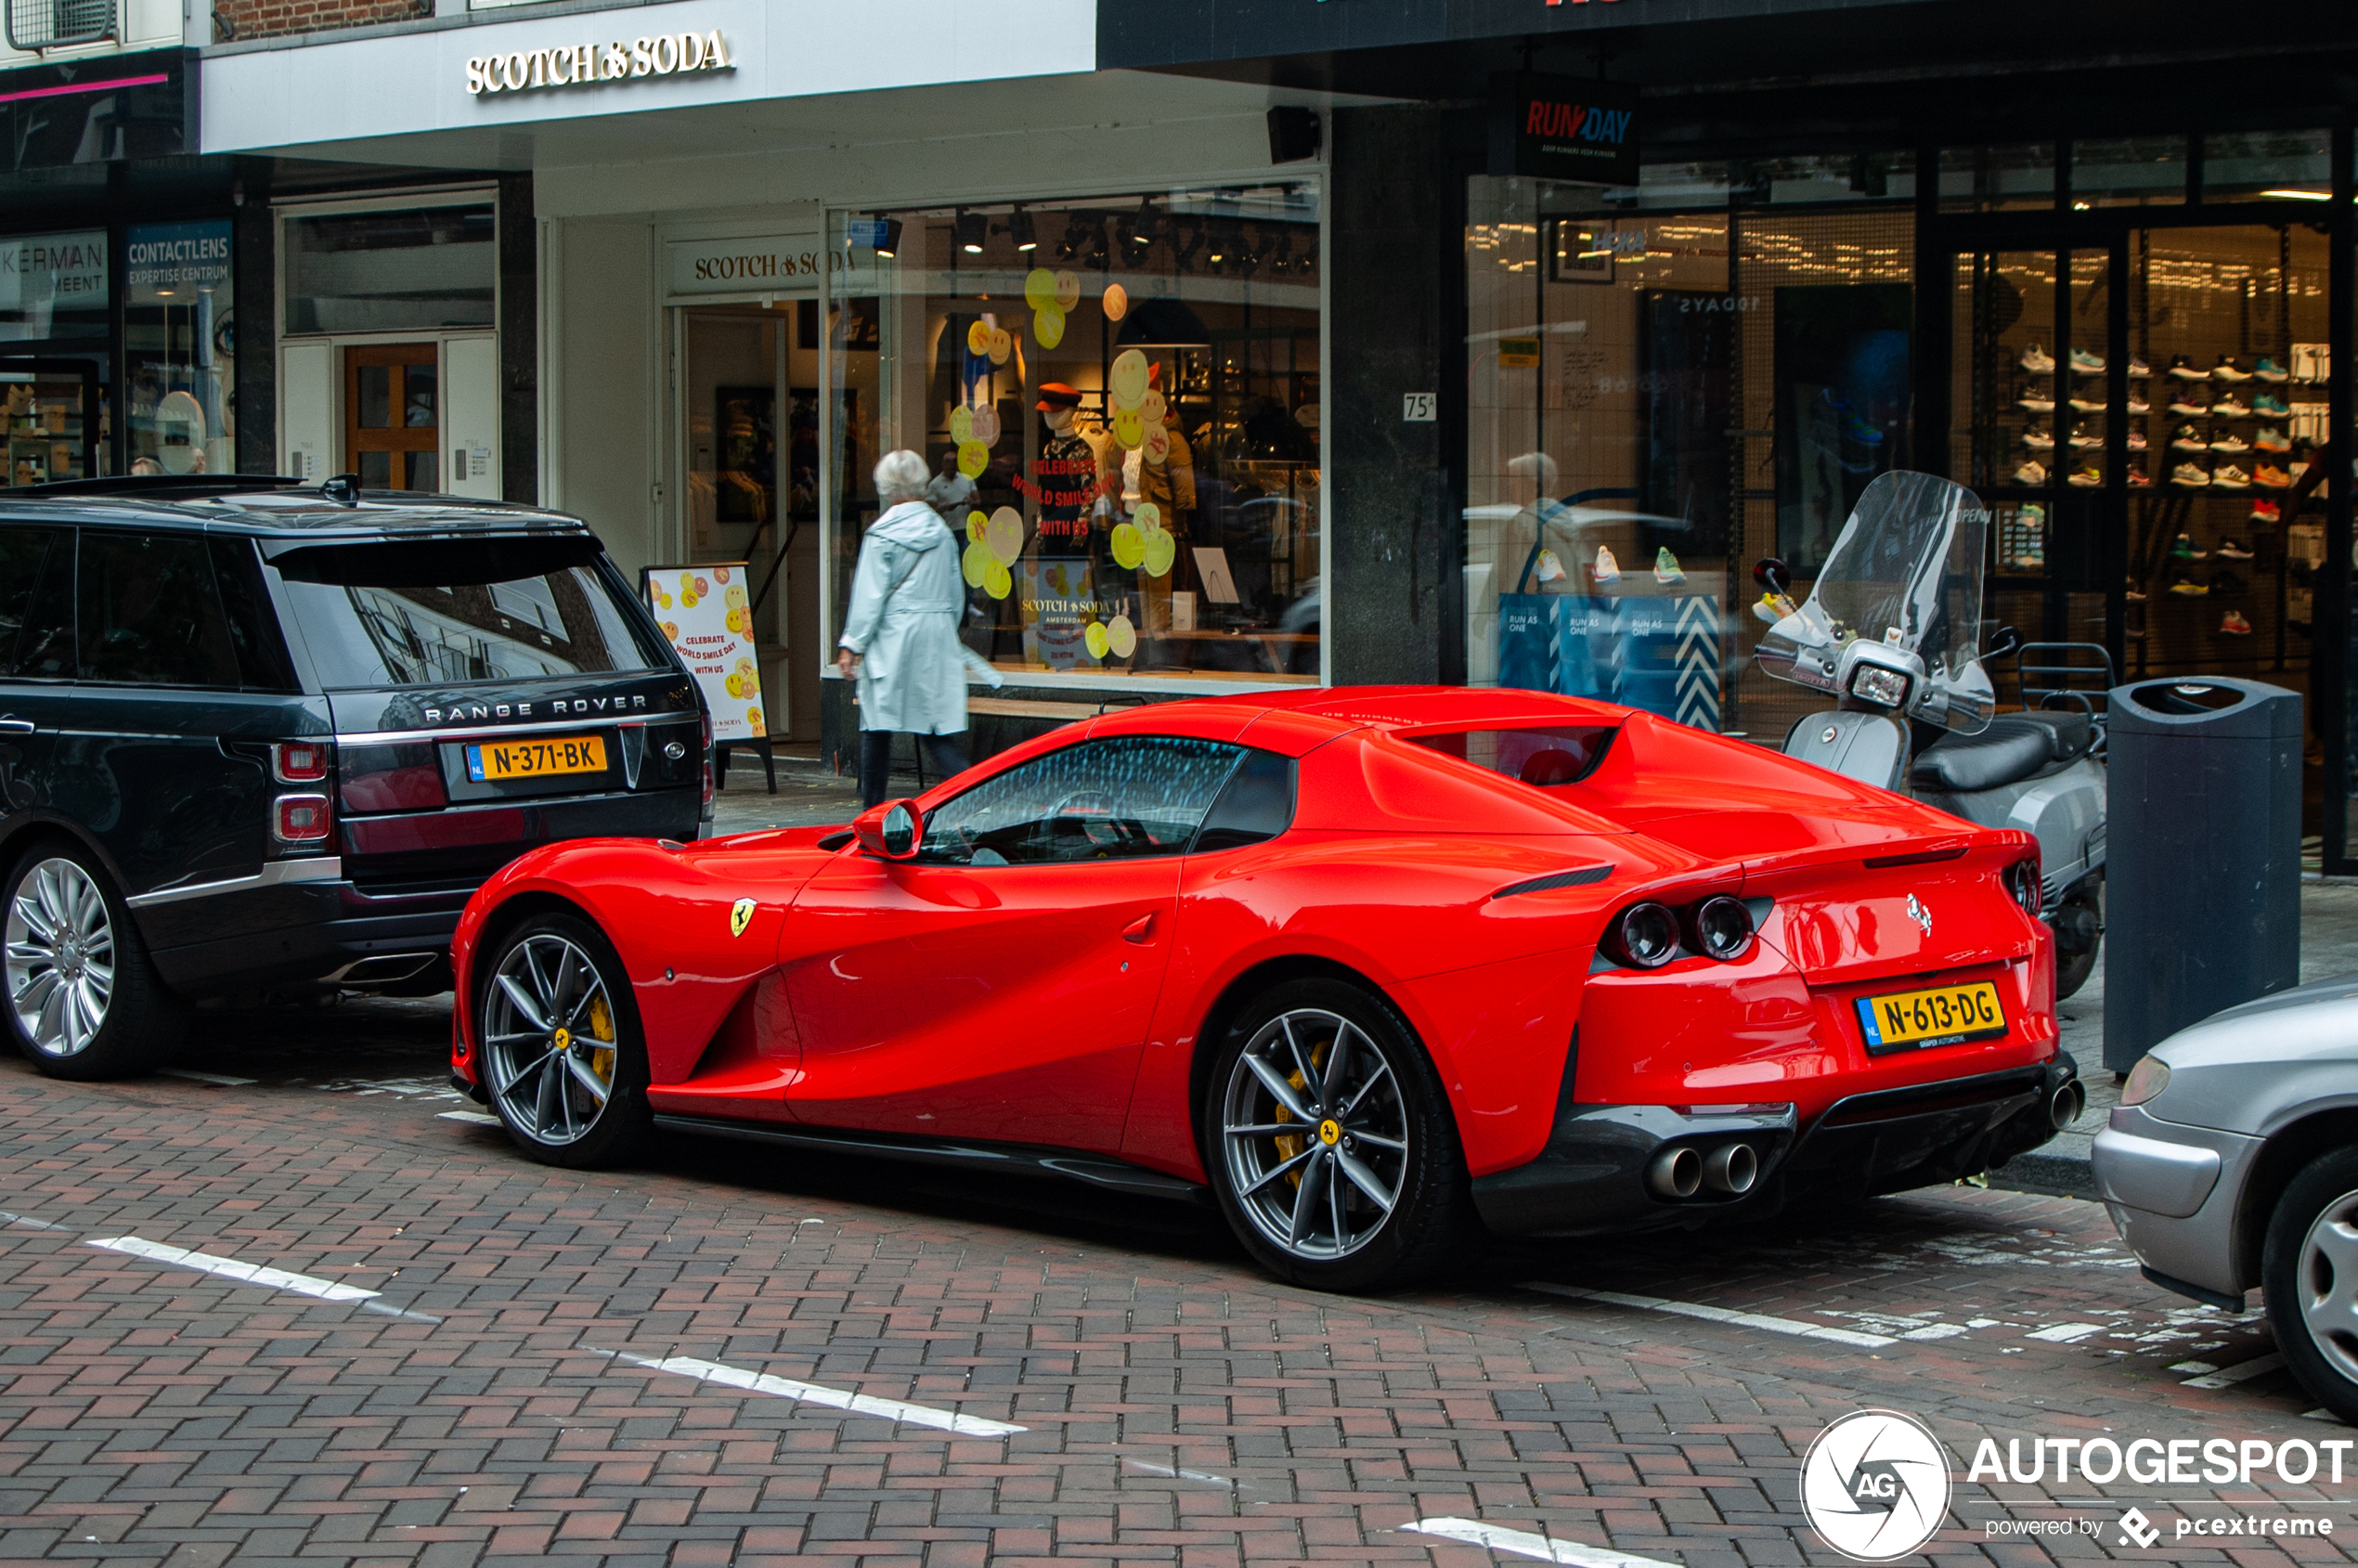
x=1415 y=408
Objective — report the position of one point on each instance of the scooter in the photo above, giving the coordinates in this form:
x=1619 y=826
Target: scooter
x=1891 y=631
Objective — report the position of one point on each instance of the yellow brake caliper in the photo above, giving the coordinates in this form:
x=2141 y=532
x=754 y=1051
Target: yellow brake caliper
x=602 y=1028
x=1291 y=1144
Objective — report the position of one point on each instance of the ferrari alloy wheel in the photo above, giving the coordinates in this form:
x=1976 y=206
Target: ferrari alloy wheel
x=561 y=1056
x=83 y=1000
x=2309 y=1273
x=2079 y=929
x=1332 y=1145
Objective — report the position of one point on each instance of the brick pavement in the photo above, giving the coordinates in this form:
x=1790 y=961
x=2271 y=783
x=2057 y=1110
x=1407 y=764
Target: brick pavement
x=1178 y=1407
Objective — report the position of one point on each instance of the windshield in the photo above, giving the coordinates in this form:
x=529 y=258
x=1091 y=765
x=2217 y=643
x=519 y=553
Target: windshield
x=1906 y=573
x=442 y=612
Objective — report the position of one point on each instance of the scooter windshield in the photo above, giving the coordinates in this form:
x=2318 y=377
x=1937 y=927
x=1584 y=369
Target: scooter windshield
x=1906 y=573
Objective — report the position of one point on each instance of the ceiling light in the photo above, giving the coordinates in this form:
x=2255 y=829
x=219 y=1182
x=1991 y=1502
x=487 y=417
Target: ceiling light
x=1020 y=229
x=888 y=242
x=2291 y=194
x=1147 y=227
x=972 y=229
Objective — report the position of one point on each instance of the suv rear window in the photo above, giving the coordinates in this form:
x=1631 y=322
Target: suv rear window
x=437 y=613
x=1543 y=756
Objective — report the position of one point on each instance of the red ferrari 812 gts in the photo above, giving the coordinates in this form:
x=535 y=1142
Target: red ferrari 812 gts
x=1365 y=966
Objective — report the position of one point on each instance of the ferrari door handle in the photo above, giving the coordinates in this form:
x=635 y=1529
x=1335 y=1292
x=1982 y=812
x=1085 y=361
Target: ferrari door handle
x=12 y=725
x=1141 y=931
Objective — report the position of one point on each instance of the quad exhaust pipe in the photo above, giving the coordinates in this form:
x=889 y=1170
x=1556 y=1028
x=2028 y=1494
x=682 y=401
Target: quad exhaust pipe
x=2066 y=1104
x=1682 y=1171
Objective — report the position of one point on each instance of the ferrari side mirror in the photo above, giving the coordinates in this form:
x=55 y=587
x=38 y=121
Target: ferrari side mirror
x=1772 y=575
x=890 y=831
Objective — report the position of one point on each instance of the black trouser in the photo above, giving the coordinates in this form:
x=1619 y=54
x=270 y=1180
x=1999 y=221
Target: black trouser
x=941 y=755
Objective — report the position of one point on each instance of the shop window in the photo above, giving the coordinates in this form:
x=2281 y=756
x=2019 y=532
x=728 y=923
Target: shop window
x=1703 y=392
x=1120 y=399
x=1998 y=178
x=2129 y=172
x=180 y=347
x=1862 y=177
x=419 y=269
x=2267 y=166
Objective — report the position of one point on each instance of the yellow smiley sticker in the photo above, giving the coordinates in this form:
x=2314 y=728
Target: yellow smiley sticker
x=1148 y=516
x=1162 y=550
x=962 y=424
x=1002 y=342
x=997 y=580
x=973 y=457
x=1157 y=446
x=1129 y=547
x=1129 y=429
x=1039 y=288
x=1097 y=640
x=975 y=563
x=1003 y=534
x=978 y=337
x=1116 y=302
x=974 y=521
x=740 y=916
x=1121 y=636
x=1128 y=379
x=1068 y=289
x=1048 y=326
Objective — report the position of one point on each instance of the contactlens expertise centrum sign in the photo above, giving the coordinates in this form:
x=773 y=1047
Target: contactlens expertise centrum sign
x=582 y=65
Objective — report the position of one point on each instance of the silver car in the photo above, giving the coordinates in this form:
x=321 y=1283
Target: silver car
x=2233 y=1161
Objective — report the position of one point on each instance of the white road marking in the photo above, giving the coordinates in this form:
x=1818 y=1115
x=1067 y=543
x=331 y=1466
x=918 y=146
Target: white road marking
x=220 y=1079
x=1934 y=1331
x=1715 y=1315
x=1522 y=1542
x=8 y=1219
x=230 y=1268
x=2197 y=1367
x=813 y=1394
x=1145 y=1468
x=2320 y=1414
x=2064 y=1333
x=2241 y=1372
x=479 y=1118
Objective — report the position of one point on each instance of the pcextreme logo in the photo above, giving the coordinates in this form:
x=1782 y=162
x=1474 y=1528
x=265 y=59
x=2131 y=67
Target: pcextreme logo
x=1875 y=1485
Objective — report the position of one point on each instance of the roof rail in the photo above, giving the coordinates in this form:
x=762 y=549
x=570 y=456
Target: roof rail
x=159 y=485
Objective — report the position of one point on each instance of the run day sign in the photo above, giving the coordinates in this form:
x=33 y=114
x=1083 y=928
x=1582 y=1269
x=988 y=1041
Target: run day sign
x=1563 y=128
x=705 y=611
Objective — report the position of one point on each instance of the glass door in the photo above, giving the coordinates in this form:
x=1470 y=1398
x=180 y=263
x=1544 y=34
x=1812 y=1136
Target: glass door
x=391 y=415
x=51 y=406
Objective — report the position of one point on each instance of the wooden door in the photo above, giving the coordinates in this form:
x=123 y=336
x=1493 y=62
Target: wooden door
x=393 y=416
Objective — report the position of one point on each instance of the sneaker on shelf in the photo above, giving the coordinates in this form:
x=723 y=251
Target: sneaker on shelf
x=2231 y=443
x=2268 y=476
x=2087 y=478
x=2086 y=364
x=2037 y=361
x=2227 y=370
x=2140 y=480
x=2230 y=477
x=2031 y=473
x=2234 y=625
x=2036 y=404
x=2138 y=405
x=2190 y=476
x=2270 y=371
x=2233 y=549
x=2186 y=403
x=2137 y=442
x=2085 y=443
x=2271 y=439
x=2038 y=440
x=1607 y=570
x=1667 y=567
x=2185 y=370
x=2266 y=511
x=2226 y=585
x=2231 y=408
x=2182 y=549
x=2189 y=439
x=2088 y=405
x=2138 y=368
x=2134 y=594
x=2186 y=588
x=2268 y=403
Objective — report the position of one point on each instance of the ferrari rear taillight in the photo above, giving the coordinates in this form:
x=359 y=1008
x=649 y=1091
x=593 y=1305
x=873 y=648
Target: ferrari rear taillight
x=300 y=819
x=2023 y=883
x=1722 y=928
x=1643 y=935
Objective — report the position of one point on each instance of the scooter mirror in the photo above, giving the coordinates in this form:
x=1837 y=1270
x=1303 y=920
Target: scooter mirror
x=1770 y=574
x=2002 y=641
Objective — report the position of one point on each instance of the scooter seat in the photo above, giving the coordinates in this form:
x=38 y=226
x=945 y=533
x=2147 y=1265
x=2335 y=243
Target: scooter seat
x=2015 y=747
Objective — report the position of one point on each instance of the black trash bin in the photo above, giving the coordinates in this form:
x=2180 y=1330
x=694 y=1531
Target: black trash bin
x=2202 y=896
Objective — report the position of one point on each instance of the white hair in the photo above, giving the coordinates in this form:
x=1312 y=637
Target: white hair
x=900 y=476
x=1538 y=466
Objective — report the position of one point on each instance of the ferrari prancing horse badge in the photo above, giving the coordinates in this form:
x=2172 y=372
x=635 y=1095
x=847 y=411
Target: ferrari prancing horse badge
x=740 y=917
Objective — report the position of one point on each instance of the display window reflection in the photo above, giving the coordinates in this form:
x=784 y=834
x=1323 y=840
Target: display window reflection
x=1120 y=399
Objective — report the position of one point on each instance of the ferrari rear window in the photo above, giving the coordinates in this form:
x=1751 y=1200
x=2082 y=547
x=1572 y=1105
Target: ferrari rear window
x=1545 y=758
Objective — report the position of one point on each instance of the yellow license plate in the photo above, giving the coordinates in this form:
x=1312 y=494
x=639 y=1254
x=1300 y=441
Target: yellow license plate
x=495 y=761
x=1943 y=1015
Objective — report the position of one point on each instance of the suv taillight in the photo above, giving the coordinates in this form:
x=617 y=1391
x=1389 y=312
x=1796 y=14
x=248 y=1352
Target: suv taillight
x=300 y=819
x=299 y=761
x=708 y=764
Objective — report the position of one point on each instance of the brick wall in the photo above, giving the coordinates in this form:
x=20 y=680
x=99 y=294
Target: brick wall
x=276 y=19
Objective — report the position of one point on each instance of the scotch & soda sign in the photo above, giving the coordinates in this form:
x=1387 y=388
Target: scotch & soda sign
x=581 y=65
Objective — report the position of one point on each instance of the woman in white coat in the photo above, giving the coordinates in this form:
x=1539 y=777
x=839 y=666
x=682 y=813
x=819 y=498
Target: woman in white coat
x=901 y=639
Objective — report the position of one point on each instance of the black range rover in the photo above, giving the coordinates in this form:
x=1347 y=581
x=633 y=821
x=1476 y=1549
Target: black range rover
x=258 y=738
